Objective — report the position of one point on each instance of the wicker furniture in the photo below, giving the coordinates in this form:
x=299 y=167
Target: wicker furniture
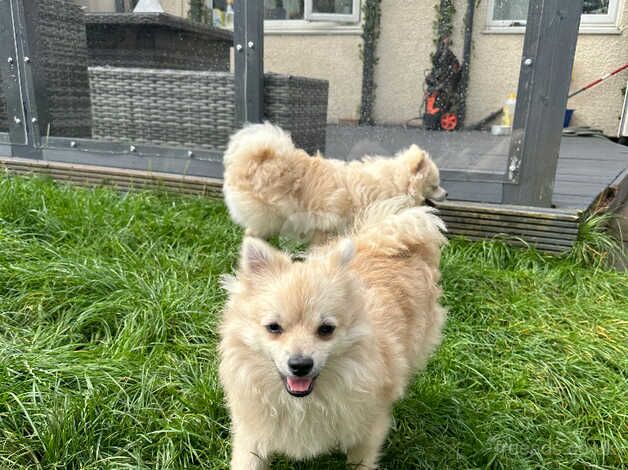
x=58 y=47
x=156 y=40
x=197 y=109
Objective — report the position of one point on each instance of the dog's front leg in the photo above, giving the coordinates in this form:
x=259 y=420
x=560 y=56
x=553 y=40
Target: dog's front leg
x=245 y=455
x=366 y=453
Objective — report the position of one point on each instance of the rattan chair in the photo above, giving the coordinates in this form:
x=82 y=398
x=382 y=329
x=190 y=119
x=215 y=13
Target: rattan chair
x=196 y=109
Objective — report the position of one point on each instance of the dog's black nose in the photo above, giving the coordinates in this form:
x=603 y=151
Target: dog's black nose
x=300 y=365
x=446 y=194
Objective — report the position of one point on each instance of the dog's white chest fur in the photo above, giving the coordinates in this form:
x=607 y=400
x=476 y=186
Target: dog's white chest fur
x=305 y=427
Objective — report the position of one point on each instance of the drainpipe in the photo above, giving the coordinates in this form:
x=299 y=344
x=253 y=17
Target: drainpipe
x=466 y=60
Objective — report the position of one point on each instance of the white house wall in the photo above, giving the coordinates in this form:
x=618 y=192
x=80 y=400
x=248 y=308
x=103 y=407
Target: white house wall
x=331 y=57
x=495 y=67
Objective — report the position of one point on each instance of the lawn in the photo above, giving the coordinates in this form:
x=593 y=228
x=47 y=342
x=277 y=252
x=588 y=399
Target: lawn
x=108 y=312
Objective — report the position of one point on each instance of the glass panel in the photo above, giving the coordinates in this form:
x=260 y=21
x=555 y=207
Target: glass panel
x=136 y=77
x=341 y=7
x=283 y=9
x=414 y=98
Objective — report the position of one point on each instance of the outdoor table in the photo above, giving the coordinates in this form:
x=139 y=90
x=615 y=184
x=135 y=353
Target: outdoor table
x=157 y=41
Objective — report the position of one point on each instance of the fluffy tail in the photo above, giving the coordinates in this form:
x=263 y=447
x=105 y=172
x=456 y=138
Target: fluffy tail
x=258 y=143
x=391 y=228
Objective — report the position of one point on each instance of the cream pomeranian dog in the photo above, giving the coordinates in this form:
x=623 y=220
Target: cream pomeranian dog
x=272 y=188
x=313 y=354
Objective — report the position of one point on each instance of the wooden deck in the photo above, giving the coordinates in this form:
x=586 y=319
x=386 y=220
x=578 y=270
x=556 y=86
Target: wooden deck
x=591 y=170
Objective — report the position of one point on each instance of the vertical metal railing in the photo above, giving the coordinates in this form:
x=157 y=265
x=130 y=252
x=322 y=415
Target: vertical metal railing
x=11 y=72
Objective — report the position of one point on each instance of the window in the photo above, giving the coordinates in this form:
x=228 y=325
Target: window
x=312 y=10
x=333 y=10
x=510 y=15
x=284 y=9
x=312 y=16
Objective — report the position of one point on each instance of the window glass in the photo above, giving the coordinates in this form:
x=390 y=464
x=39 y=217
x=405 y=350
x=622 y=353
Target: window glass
x=283 y=9
x=595 y=7
x=516 y=10
x=341 y=7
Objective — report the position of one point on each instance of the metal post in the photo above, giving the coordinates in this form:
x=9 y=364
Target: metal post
x=248 y=38
x=10 y=70
x=33 y=77
x=466 y=62
x=548 y=54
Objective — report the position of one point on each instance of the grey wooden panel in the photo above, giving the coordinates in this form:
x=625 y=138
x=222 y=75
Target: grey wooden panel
x=601 y=172
x=89 y=175
x=547 y=229
x=480 y=231
x=536 y=233
x=575 y=202
x=564 y=218
x=511 y=210
x=546 y=247
x=579 y=188
x=609 y=158
x=248 y=38
x=471 y=175
x=181 y=166
x=472 y=191
x=522 y=225
x=592 y=148
x=548 y=53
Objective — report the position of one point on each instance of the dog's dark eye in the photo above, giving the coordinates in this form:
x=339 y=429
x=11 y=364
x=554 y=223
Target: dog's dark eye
x=326 y=330
x=274 y=328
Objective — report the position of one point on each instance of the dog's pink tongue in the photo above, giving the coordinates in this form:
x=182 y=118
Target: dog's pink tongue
x=298 y=384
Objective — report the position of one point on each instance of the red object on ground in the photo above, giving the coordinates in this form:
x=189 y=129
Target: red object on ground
x=431 y=104
x=449 y=121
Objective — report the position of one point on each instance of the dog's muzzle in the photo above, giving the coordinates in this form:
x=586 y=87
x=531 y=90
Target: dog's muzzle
x=437 y=196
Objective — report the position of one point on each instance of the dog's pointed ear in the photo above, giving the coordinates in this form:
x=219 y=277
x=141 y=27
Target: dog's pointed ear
x=415 y=158
x=344 y=253
x=257 y=256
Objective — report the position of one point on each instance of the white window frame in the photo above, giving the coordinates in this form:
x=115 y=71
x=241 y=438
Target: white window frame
x=600 y=24
x=318 y=23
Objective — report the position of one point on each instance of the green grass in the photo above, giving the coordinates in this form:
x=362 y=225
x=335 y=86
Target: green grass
x=108 y=312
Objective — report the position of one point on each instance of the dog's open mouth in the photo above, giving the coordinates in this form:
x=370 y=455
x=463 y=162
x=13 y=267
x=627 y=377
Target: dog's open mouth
x=299 y=386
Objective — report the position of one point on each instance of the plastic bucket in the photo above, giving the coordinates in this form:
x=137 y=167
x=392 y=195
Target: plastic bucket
x=568 y=116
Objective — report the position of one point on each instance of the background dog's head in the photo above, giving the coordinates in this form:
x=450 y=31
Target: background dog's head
x=424 y=181
x=295 y=319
